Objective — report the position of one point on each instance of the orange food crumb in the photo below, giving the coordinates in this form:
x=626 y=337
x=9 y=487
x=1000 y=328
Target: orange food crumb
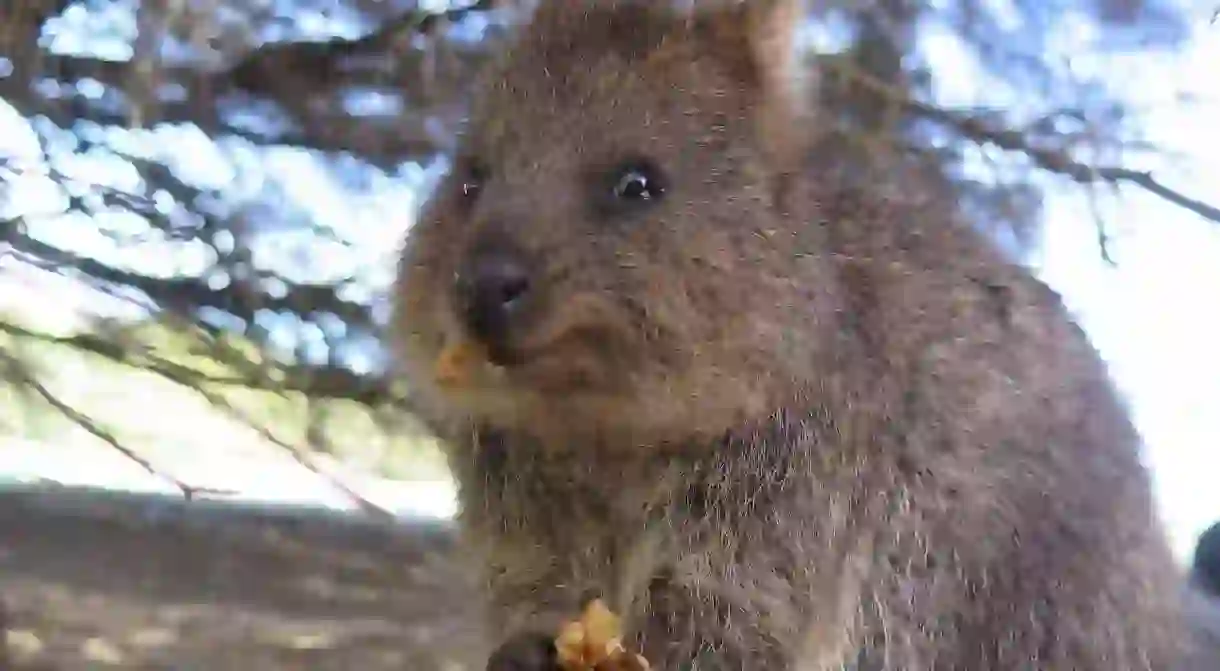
x=594 y=643
x=456 y=362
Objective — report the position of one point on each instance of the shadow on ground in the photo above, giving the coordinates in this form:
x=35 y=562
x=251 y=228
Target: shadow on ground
x=97 y=580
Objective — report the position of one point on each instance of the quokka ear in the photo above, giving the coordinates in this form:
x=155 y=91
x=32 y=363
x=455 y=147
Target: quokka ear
x=772 y=27
x=759 y=37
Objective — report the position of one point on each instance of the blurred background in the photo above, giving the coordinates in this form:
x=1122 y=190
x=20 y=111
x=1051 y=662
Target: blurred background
x=203 y=460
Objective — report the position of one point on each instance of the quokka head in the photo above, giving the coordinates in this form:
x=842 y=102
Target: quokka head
x=610 y=251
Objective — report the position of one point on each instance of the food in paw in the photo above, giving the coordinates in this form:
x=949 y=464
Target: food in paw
x=594 y=643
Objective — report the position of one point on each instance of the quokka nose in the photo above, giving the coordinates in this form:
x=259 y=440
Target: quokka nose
x=490 y=290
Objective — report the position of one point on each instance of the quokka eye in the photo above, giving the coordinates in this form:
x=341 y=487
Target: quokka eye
x=473 y=176
x=639 y=181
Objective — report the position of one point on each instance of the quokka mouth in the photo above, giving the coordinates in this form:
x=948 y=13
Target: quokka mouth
x=569 y=358
x=504 y=356
x=460 y=360
x=579 y=346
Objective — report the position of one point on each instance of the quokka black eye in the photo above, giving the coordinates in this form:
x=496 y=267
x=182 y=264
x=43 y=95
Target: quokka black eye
x=639 y=181
x=473 y=177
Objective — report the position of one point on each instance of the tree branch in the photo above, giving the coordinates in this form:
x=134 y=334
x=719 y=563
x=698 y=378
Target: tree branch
x=327 y=383
x=239 y=297
x=21 y=22
x=296 y=75
x=1059 y=162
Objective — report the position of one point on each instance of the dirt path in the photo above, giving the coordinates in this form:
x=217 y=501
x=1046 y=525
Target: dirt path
x=97 y=580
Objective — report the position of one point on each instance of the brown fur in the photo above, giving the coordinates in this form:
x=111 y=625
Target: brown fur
x=781 y=424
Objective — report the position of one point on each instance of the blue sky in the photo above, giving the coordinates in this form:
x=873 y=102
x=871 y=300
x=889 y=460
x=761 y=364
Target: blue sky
x=1155 y=317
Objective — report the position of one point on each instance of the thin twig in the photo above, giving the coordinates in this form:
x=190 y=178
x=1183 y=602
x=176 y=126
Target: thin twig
x=301 y=456
x=185 y=376
x=18 y=369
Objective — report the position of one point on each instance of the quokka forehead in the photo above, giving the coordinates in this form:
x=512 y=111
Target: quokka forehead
x=604 y=109
x=611 y=74
x=627 y=118
x=563 y=34
x=566 y=50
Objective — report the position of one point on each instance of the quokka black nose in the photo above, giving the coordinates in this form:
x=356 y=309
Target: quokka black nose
x=490 y=290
